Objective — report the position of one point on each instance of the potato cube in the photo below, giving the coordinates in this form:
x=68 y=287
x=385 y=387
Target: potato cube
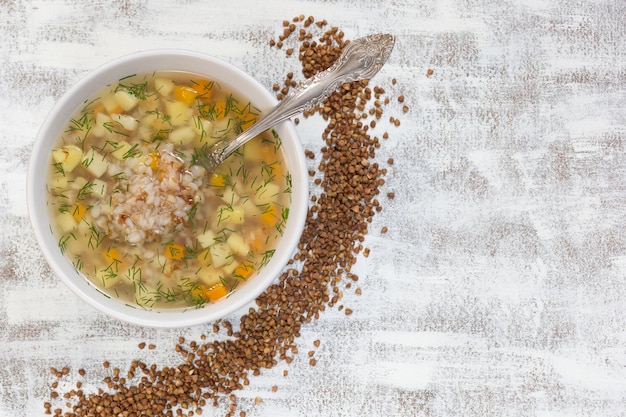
x=126 y=100
x=230 y=214
x=163 y=86
x=179 y=112
x=78 y=183
x=206 y=239
x=229 y=268
x=126 y=121
x=59 y=183
x=252 y=150
x=204 y=131
x=99 y=188
x=267 y=193
x=68 y=156
x=84 y=225
x=236 y=215
x=220 y=254
x=238 y=245
x=183 y=135
x=121 y=149
x=66 y=222
x=100 y=127
x=209 y=276
x=250 y=208
x=229 y=196
x=110 y=104
x=95 y=163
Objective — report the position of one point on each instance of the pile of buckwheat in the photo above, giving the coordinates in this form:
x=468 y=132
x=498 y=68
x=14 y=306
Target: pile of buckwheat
x=339 y=215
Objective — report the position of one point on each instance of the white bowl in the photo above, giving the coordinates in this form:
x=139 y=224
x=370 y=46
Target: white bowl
x=58 y=118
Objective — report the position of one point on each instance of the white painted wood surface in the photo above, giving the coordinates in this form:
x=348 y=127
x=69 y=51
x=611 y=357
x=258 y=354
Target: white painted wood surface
x=500 y=287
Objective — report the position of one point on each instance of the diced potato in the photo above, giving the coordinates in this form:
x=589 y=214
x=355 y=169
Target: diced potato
x=66 y=222
x=163 y=86
x=252 y=150
x=149 y=105
x=110 y=104
x=207 y=238
x=220 y=254
x=204 y=129
x=203 y=125
x=237 y=244
x=229 y=196
x=126 y=121
x=99 y=129
x=125 y=100
x=220 y=125
x=99 y=188
x=69 y=156
x=84 y=225
x=267 y=193
x=230 y=214
x=183 y=135
x=179 y=112
x=73 y=244
x=95 y=163
x=236 y=215
x=229 y=268
x=242 y=187
x=59 y=183
x=78 y=183
x=151 y=120
x=145 y=133
x=209 y=276
x=250 y=208
x=122 y=147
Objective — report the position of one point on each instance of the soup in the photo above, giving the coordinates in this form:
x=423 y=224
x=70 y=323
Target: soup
x=137 y=213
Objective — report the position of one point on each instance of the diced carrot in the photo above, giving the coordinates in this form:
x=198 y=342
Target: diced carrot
x=79 y=211
x=112 y=255
x=244 y=270
x=174 y=251
x=270 y=216
x=185 y=94
x=198 y=292
x=202 y=85
x=217 y=180
x=215 y=293
x=154 y=160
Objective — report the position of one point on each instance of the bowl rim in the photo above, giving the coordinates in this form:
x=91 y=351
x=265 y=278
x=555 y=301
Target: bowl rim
x=81 y=91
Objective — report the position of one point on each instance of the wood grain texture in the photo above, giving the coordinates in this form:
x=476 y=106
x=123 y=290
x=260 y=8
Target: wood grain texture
x=500 y=287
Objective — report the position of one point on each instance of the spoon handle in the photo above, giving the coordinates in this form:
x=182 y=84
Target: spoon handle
x=361 y=59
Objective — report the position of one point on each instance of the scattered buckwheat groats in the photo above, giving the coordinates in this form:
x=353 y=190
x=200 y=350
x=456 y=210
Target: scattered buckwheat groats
x=347 y=182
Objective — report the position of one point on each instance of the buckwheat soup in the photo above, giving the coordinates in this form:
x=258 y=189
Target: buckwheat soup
x=134 y=209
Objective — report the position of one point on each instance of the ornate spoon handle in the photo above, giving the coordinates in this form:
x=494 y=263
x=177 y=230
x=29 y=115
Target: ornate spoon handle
x=361 y=59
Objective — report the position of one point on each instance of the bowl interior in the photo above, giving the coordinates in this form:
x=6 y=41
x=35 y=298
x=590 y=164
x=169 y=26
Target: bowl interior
x=148 y=61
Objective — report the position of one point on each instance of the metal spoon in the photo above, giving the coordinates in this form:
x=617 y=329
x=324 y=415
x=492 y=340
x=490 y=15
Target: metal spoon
x=361 y=59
